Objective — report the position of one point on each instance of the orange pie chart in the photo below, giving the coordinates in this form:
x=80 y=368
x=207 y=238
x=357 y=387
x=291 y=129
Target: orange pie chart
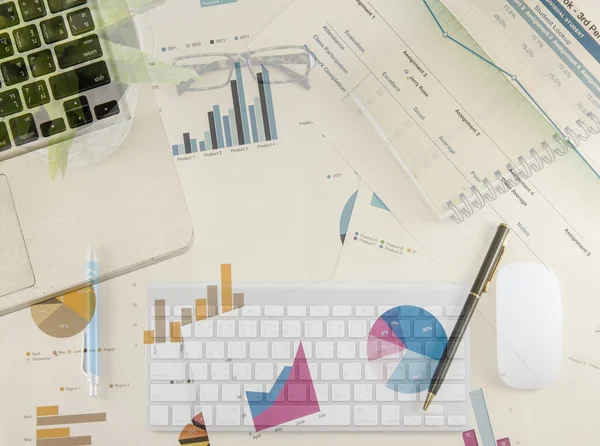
x=67 y=315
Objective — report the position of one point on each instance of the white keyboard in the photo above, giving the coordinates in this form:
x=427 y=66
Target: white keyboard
x=363 y=377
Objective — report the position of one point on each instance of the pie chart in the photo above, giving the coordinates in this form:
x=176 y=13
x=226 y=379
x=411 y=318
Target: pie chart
x=195 y=433
x=346 y=216
x=404 y=345
x=67 y=315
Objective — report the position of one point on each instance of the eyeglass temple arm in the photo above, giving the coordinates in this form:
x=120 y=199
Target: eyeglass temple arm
x=302 y=80
x=289 y=58
x=297 y=58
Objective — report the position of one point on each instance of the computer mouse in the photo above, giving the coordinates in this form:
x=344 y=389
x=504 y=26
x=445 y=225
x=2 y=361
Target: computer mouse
x=529 y=325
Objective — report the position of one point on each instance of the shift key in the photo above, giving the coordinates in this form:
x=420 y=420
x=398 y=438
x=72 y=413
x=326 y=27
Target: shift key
x=79 y=80
x=78 y=51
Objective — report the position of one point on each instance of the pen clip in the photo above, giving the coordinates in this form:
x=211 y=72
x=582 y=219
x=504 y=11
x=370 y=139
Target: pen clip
x=495 y=268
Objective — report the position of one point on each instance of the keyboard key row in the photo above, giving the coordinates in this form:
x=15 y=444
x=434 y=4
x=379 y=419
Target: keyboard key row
x=300 y=392
x=406 y=376
x=24 y=129
x=196 y=349
x=53 y=30
x=284 y=350
x=335 y=329
x=32 y=10
x=334 y=311
x=68 y=83
x=338 y=415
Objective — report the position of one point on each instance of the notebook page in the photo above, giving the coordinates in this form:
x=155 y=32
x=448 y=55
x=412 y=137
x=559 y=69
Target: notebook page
x=397 y=61
x=553 y=48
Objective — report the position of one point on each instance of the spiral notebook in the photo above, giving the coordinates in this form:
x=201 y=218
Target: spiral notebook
x=465 y=129
x=466 y=197
x=497 y=122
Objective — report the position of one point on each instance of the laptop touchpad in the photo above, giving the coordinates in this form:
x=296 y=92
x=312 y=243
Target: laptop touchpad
x=15 y=268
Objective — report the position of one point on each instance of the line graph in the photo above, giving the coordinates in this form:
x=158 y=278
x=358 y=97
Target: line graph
x=513 y=77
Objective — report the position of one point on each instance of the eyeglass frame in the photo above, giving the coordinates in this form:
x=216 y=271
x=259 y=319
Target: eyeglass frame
x=245 y=57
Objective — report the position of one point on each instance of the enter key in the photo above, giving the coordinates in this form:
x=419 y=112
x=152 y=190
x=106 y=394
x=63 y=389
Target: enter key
x=78 y=51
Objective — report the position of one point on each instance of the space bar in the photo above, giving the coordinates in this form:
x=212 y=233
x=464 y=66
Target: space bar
x=79 y=80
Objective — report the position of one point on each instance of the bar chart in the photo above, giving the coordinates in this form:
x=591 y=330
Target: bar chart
x=170 y=329
x=484 y=423
x=61 y=436
x=245 y=122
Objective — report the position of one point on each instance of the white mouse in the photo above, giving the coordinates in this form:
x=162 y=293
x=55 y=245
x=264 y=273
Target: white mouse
x=529 y=325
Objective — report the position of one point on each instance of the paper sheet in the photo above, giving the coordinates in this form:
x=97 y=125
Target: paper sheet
x=273 y=212
x=557 y=204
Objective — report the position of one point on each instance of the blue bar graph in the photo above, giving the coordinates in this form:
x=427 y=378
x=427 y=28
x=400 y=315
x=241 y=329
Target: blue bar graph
x=233 y=127
x=227 y=131
x=259 y=120
x=270 y=109
x=208 y=141
x=217 y=114
x=482 y=417
x=253 y=124
x=246 y=120
x=242 y=96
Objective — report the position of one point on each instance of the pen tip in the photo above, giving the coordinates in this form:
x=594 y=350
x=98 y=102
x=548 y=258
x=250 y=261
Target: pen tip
x=428 y=400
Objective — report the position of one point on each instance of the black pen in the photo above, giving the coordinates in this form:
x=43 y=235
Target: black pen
x=484 y=277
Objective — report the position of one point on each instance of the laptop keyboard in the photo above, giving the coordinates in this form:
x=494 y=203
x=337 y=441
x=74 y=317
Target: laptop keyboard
x=49 y=52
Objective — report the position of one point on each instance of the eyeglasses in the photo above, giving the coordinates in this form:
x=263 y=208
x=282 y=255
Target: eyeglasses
x=284 y=64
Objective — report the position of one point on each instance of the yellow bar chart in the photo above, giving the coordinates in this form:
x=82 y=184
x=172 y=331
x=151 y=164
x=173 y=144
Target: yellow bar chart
x=202 y=308
x=61 y=436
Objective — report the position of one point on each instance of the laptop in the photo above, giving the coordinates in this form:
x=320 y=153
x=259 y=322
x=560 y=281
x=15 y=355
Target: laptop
x=64 y=68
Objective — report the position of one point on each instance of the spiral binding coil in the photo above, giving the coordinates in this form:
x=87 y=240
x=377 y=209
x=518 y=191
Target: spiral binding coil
x=524 y=169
